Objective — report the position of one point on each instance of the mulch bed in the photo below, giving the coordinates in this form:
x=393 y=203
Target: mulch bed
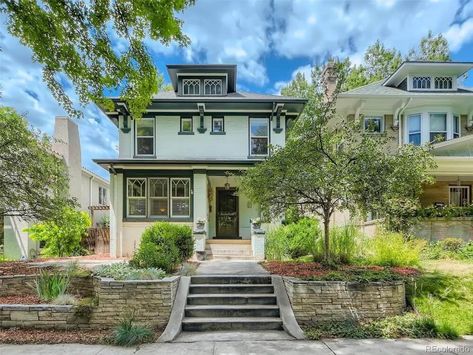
x=307 y=270
x=40 y=336
x=20 y=299
x=10 y=268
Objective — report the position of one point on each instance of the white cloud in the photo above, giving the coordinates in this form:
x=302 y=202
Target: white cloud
x=458 y=34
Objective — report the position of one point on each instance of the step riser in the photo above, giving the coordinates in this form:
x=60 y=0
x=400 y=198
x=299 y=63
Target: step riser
x=231 y=301
x=232 y=313
x=231 y=289
x=201 y=327
x=249 y=280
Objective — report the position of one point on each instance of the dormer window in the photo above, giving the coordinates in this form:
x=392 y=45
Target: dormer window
x=213 y=87
x=191 y=87
x=421 y=82
x=443 y=82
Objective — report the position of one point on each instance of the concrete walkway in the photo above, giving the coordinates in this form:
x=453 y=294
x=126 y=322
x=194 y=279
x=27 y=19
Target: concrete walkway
x=286 y=347
x=232 y=267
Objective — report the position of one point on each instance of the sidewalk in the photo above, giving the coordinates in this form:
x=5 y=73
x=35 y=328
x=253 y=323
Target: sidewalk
x=286 y=347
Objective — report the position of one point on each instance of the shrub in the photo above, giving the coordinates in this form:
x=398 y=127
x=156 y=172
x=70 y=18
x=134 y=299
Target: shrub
x=164 y=255
x=466 y=252
x=123 y=271
x=392 y=249
x=293 y=240
x=181 y=236
x=50 y=285
x=62 y=236
x=451 y=244
x=343 y=243
x=127 y=333
x=449 y=248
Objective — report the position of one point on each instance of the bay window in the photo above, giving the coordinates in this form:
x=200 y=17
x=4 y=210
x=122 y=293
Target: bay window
x=144 y=136
x=438 y=127
x=414 y=127
x=259 y=136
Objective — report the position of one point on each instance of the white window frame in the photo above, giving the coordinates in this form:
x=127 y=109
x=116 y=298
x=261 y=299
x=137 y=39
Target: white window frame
x=213 y=83
x=374 y=117
x=410 y=82
x=455 y=118
x=267 y=136
x=153 y=137
x=128 y=198
x=459 y=187
x=447 y=135
x=173 y=198
x=150 y=198
x=195 y=84
x=414 y=132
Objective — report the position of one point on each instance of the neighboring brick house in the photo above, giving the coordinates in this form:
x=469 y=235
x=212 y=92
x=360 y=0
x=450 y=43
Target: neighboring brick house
x=424 y=102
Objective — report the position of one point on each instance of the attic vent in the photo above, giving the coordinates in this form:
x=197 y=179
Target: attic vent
x=421 y=82
x=443 y=82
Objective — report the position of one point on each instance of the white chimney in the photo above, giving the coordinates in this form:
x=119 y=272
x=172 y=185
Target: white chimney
x=67 y=144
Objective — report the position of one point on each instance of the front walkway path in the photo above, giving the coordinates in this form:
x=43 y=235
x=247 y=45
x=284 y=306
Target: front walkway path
x=286 y=347
x=230 y=267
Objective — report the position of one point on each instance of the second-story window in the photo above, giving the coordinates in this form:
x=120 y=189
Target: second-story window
x=443 y=82
x=438 y=127
x=213 y=87
x=144 y=133
x=373 y=124
x=456 y=126
x=421 y=82
x=217 y=125
x=259 y=136
x=191 y=86
x=186 y=125
x=102 y=195
x=414 y=124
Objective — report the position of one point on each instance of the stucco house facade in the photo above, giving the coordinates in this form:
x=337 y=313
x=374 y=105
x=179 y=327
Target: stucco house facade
x=420 y=103
x=181 y=161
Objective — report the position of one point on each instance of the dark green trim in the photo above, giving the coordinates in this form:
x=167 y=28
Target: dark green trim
x=218 y=133
x=172 y=162
x=157 y=219
x=201 y=129
x=200 y=171
x=277 y=130
x=180 y=125
x=185 y=133
x=215 y=117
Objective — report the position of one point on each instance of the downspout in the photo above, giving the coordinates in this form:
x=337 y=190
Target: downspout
x=398 y=118
x=90 y=199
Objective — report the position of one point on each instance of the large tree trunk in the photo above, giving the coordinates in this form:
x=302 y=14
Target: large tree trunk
x=327 y=238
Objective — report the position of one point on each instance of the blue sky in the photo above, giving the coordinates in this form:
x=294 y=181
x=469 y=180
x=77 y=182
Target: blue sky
x=270 y=40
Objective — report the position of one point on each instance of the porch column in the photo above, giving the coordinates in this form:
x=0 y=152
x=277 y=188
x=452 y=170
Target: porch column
x=116 y=214
x=201 y=210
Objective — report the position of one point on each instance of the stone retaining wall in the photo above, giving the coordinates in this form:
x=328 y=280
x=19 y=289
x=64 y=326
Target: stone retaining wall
x=320 y=301
x=151 y=301
x=81 y=286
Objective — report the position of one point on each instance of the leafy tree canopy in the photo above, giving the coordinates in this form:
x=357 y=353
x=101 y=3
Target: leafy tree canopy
x=34 y=182
x=98 y=45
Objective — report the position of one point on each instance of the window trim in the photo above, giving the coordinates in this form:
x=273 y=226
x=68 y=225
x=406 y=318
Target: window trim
x=223 y=125
x=440 y=132
x=192 y=125
x=250 y=136
x=149 y=198
x=411 y=77
x=193 y=80
x=171 y=197
x=154 y=137
x=128 y=197
x=459 y=133
x=381 y=125
x=213 y=79
x=416 y=132
x=465 y=187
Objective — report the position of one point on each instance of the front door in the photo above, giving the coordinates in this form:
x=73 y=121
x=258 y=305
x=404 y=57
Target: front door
x=227 y=214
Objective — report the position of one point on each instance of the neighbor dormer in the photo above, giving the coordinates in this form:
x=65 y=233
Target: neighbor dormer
x=202 y=80
x=428 y=76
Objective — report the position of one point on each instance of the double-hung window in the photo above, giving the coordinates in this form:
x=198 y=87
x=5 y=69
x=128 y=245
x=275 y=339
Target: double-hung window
x=259 y=136
x=438 y=127
x=456 y=126
x=180 y=197
x=414 y=128
x=373 y=124
x=459 y=196
x=158 y=197
x=144 y=136
x=136 y=196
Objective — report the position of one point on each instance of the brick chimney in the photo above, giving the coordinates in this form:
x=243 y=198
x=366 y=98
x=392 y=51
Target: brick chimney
x=329 y=79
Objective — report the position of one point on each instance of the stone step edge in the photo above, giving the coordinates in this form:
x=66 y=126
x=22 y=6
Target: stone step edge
x=189 y=320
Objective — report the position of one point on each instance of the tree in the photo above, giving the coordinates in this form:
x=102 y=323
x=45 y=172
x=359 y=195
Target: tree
x=34 y=182
x=98 y=45
x=431 y=48
x=381 y=62
x=327 y=164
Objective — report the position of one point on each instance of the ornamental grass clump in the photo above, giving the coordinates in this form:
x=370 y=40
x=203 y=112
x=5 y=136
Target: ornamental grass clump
x=127 y=333
x=51 y=285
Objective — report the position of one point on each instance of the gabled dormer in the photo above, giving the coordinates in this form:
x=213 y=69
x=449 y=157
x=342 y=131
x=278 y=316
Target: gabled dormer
x=428 y=76
x=202 y=80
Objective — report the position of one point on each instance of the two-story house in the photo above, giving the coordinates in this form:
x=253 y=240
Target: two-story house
x=181 y=161
x=424 y=102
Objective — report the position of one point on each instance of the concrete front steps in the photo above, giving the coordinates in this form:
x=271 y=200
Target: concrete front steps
x=228 y=249
x=223 y=303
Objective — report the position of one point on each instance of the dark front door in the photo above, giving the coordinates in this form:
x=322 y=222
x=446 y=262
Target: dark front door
x=227 y=214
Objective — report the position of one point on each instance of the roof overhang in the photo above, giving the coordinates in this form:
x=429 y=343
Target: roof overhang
x=453 y=166
x=456 y=69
